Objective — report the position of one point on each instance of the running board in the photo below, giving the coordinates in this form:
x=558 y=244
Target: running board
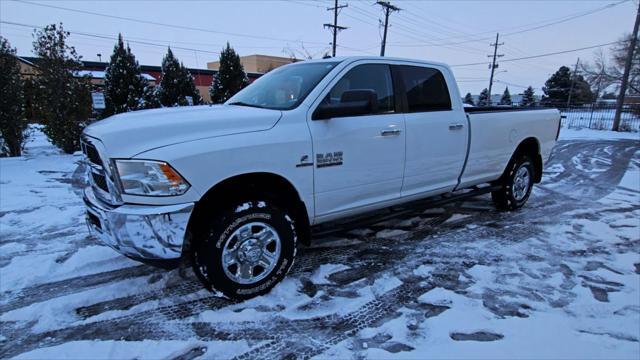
x=391 y=212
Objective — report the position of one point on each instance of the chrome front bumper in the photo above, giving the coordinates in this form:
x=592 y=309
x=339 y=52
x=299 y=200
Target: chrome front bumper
x=143 y=232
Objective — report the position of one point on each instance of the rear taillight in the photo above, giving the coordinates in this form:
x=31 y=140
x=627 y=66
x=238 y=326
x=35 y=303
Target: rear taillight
x=559 y=126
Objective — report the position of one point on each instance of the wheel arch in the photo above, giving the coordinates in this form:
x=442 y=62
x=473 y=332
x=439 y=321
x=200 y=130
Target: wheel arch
x=239 y=187
x=531 y=146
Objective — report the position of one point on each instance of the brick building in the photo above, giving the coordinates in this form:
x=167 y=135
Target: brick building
x=260 y=64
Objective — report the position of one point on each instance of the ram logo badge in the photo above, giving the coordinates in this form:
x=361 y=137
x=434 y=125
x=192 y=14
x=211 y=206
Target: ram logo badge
x=304 y=161
x=329 y=159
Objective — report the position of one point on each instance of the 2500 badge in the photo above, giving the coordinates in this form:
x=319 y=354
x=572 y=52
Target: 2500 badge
x=329 y=159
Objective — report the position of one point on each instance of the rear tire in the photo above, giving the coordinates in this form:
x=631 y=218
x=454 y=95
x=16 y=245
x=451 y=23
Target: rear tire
x=245 y=250
x=516 y=183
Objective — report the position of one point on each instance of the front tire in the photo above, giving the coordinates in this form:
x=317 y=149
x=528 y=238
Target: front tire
x=516 y=184
x=245 y=250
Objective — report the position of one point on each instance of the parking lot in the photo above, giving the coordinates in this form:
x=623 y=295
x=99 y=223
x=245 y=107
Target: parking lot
x=559 y=278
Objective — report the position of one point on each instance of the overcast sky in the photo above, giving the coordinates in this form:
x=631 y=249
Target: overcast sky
x=455 y=32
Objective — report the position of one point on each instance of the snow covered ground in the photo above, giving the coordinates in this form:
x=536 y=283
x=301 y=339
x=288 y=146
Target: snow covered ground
x=558 y=279
x=600 y=119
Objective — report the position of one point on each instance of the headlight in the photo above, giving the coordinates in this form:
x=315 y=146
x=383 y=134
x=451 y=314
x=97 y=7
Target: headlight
x=150 y=178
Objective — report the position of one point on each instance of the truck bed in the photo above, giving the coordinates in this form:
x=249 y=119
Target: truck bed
x=495 y=132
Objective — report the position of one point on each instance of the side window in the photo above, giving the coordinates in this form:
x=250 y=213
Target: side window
x=375 y=77
x=426 y=89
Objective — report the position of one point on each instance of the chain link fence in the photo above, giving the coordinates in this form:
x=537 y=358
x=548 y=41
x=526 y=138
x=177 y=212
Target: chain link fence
x=599 y=116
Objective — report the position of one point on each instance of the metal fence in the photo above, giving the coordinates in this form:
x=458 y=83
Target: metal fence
x=600 y=116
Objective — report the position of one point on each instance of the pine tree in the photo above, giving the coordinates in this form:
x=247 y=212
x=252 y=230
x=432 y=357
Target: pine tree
x=63 y=99
x=12 y=121
x=557 y=87
x=528 y=98
x=176 y=83
x=506 y=97
x=151 y=97
x=483 y=99
x=188 y=86
x=124 y=84
x=468 y=99
x=169 y=91
x=231 y=77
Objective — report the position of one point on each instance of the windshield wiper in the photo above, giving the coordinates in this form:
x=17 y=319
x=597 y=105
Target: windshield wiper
x=240 y=103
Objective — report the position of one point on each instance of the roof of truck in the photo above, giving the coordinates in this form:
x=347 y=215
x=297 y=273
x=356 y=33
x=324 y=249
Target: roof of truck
x=356 y=58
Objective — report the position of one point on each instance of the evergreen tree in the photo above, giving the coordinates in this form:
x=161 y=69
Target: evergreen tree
x=124 y=84
x=169 y=91
x=506 y=97
x=12 y=121
x=528 y=99
x=483 y=99
x=188 y=86
x=29 y=90
x=176 y=83
x=151 y=97
x=468 y=99
x=231 y=77
x=63 y=99
x=557 y=87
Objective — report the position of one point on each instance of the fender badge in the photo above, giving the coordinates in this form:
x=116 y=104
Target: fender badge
x=304 y=161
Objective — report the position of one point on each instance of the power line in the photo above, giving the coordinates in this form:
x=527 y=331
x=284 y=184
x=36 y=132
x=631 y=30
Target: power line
x=512 y=84
x=175 y=26
x=545 y=24
x=408 y=31
x=98 y=36
x=335 y=27
x=132 y=39
x=542 y=55
x=388 y=9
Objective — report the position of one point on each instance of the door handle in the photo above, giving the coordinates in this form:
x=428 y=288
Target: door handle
x=456 y=126
x=394 y=132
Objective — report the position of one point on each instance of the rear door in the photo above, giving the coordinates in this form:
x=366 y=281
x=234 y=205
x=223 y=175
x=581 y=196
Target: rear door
x=359 y=160
x=437 y=133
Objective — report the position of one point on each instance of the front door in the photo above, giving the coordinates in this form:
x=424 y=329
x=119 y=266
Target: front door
x=359 y=160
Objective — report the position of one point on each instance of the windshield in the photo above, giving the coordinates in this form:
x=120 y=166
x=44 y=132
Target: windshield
x=283 y=88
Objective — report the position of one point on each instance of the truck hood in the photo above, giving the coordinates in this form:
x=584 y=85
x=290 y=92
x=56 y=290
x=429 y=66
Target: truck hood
x=128 y=134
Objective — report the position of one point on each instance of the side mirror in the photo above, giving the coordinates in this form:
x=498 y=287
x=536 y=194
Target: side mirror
x=352 y=103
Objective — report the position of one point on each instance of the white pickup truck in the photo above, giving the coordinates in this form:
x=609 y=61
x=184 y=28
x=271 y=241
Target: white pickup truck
x=235 y=187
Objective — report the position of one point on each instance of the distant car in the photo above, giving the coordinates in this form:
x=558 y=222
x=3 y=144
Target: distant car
x=235 y=187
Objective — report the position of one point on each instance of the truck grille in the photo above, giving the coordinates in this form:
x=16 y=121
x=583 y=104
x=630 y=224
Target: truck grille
x=98 y=173
x=100 y=181
x=91 y=153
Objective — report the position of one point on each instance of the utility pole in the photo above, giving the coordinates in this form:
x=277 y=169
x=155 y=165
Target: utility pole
x=335 y=26
x=493 y=65
x=388 y=9
x=627 y=71
x=573 y=82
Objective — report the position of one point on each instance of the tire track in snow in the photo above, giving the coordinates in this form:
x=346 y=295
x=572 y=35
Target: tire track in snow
x=42 y=292
x=146 y=324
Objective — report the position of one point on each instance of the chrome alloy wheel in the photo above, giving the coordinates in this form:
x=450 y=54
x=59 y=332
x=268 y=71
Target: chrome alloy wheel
x=521 y=182
x=251 y=253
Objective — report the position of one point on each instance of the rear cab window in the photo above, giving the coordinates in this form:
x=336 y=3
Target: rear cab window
x=426 y=88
